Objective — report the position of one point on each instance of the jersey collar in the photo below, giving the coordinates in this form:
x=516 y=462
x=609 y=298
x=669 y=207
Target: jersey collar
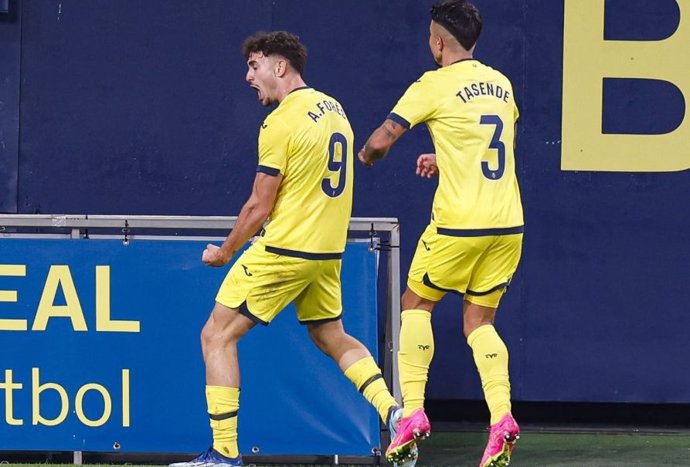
x=464 y=60
x=299 y=89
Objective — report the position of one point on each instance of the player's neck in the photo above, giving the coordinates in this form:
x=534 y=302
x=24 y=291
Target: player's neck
x=290 y=84
x=450 y=58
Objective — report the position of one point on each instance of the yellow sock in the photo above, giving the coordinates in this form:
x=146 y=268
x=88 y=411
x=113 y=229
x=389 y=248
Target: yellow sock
x=491 y=358
x=223 y=404
x=414 y=357
x=367 y=378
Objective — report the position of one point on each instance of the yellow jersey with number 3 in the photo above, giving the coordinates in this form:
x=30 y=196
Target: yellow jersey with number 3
x=470 y=111
x=309 y=141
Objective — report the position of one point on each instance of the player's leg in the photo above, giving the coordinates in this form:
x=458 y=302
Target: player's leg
x=319 y=306
x=253 y=292
x=416 y=346
x=219 y=338
x=491 y=358
x=490 y=279
x=416 y=342
x=234 y=314
x=356 y=362
x=359 y=367
x=414 y=358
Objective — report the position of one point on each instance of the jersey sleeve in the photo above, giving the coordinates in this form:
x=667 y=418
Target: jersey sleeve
x=417 y=104
x=274 y=140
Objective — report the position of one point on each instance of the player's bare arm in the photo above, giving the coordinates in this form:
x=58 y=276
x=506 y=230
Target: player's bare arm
x=380 y=142
x=426 y=165
x=252 y=216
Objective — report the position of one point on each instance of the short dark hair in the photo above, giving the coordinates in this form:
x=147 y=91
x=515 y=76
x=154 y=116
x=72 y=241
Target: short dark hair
x=280 y=43
x=461 y=18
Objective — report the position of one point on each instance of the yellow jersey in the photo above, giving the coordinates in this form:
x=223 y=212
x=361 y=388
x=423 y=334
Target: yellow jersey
x=470 y=111
x=309 y=141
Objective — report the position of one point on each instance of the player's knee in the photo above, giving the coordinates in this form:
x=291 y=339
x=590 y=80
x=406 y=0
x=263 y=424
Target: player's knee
x=214 y=336
x=475 y=316
x=408 y=300
x=209 y=337
x=206 y=338
x=469 y=326
x=412 y=301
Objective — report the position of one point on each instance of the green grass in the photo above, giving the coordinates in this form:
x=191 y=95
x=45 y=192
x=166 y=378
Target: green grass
x=539 y=449
x=563 y=450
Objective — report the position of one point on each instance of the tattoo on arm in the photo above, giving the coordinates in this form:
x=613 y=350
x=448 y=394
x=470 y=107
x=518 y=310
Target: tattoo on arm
x=390 y=132
x=381 y=140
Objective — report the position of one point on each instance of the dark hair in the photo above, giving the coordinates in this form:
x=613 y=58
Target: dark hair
x=280 y=43
x=461 y=18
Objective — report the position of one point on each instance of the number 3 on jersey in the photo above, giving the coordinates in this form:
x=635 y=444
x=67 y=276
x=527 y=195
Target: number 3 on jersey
x=339 y=167
x=496 y=144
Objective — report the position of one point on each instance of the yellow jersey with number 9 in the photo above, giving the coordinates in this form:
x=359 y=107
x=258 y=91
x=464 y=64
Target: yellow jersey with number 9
x=309 y=141
x=470 y=111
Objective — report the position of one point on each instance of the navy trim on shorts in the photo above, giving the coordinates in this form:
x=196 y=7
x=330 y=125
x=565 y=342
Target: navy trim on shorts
x=428 y=283
x=492 y=289
x=398 y=119
x=320 y=321
x=479 y=232
x=302 y=254
x=245 y=311
x=273 y=172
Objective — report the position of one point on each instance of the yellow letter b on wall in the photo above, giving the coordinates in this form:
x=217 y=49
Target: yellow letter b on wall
x=587 y=60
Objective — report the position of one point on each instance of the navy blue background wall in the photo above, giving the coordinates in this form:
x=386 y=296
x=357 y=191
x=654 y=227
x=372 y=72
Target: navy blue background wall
x=141 y=108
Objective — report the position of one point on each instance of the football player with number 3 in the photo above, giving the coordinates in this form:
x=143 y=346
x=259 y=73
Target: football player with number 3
x=473 y=242
x=303 y=186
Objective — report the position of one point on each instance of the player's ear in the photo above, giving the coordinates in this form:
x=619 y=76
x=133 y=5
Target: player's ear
x=280 y=68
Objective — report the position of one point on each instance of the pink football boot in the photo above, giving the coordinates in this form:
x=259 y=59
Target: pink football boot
x=409 y=430
x=502 y=438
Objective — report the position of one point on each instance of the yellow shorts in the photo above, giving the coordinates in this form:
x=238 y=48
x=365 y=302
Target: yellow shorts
x=262 y=283
x=477 y=266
